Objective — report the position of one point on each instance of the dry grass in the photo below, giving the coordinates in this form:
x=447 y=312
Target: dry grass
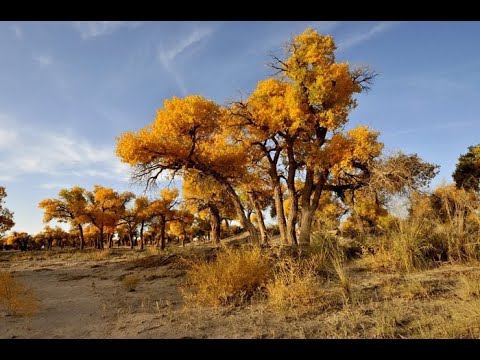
x=232 y=277
x=294 y=286
x=130 y=282
x=469 y=286
x=153 y=251
x=102 y=254
x=16 y=297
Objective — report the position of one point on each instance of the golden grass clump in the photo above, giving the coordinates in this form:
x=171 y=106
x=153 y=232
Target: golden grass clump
x=469 y=286
x=295 y=286
x=130 y=282
x=16 y=297
x=102 y=254
x=153 y=251
x=232 y=278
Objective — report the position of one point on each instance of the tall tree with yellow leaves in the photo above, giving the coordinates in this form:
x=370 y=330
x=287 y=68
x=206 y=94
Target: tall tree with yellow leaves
x=162 y=210
x=70 y=206
x=105 y=208
x=296 y=121
x=189 y=134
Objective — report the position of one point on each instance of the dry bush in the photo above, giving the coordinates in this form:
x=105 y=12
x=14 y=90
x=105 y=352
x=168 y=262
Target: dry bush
x=441 y=226
x=16 y=297
x=130 y=282
x=294 y=286
x=469 y=286
x=232 y=277
x=327 y=252
x=102 y=254
x=153 y=251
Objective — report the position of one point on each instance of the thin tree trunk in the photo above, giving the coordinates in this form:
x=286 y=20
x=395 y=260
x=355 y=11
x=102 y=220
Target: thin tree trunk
x=282 y=223
x=293 y=211
x=100 y=240
x=82 y=239
x=244 y=221
x=162 y=234
x=130 y=238
x=260 y=219
x=141 y=235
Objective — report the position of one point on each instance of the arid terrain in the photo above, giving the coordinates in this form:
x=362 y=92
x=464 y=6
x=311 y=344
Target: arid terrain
x=125 y=293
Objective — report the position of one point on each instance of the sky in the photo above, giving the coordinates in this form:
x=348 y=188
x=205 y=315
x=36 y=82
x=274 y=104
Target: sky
x=67 y=89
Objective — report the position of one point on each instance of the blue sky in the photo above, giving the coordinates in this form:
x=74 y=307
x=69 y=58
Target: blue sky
x=67 y=89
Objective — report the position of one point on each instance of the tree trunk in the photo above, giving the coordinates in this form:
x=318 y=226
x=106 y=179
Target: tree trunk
x=260 y=219
x=293 y=211
x=130 y=238
x=292 y=220
x=305 y=227
x=309 y=205
x=100 y=240
x=162 y=233
x=141 y=235
x=82 y=239
x=282 y=224
x=244 y=221
x=215 y=224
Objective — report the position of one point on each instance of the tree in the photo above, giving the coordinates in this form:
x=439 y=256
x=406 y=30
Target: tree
x=69 y=207
x=467 y=171
x=105 y=208
x=130 y=221
x=181 y=224
x=188 y=134
x=295 y=121
x=203 y=193
x=162 y=210
x=19 y=240
x=141 y=209
x=6 y=216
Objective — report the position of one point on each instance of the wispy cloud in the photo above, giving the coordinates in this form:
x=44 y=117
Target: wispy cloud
x=168 y=55
x=94 y=29
x=50 y=186
x=361 y=37
x=43 y=60
x=57 y=154
x=17 y=31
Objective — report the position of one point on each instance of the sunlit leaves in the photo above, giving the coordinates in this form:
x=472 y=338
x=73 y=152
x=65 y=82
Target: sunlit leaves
x=6 y=216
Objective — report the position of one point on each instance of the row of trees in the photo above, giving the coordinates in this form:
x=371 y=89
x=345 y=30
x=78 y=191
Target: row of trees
x=103 y=212
x=95 y=216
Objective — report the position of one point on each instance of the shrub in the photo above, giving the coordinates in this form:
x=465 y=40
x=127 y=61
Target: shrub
x=130 y=282
x=294 y=286
x=232 y=277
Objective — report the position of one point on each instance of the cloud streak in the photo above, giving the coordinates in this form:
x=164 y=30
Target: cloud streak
x=95 y=29
x=167 y=56
x=43 y=60
x=362 y=37
x=17 y=31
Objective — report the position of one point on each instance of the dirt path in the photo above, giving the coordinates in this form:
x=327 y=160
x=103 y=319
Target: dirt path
x=88 y=299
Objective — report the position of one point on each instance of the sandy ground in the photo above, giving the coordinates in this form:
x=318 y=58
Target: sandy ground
x=87 y=298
